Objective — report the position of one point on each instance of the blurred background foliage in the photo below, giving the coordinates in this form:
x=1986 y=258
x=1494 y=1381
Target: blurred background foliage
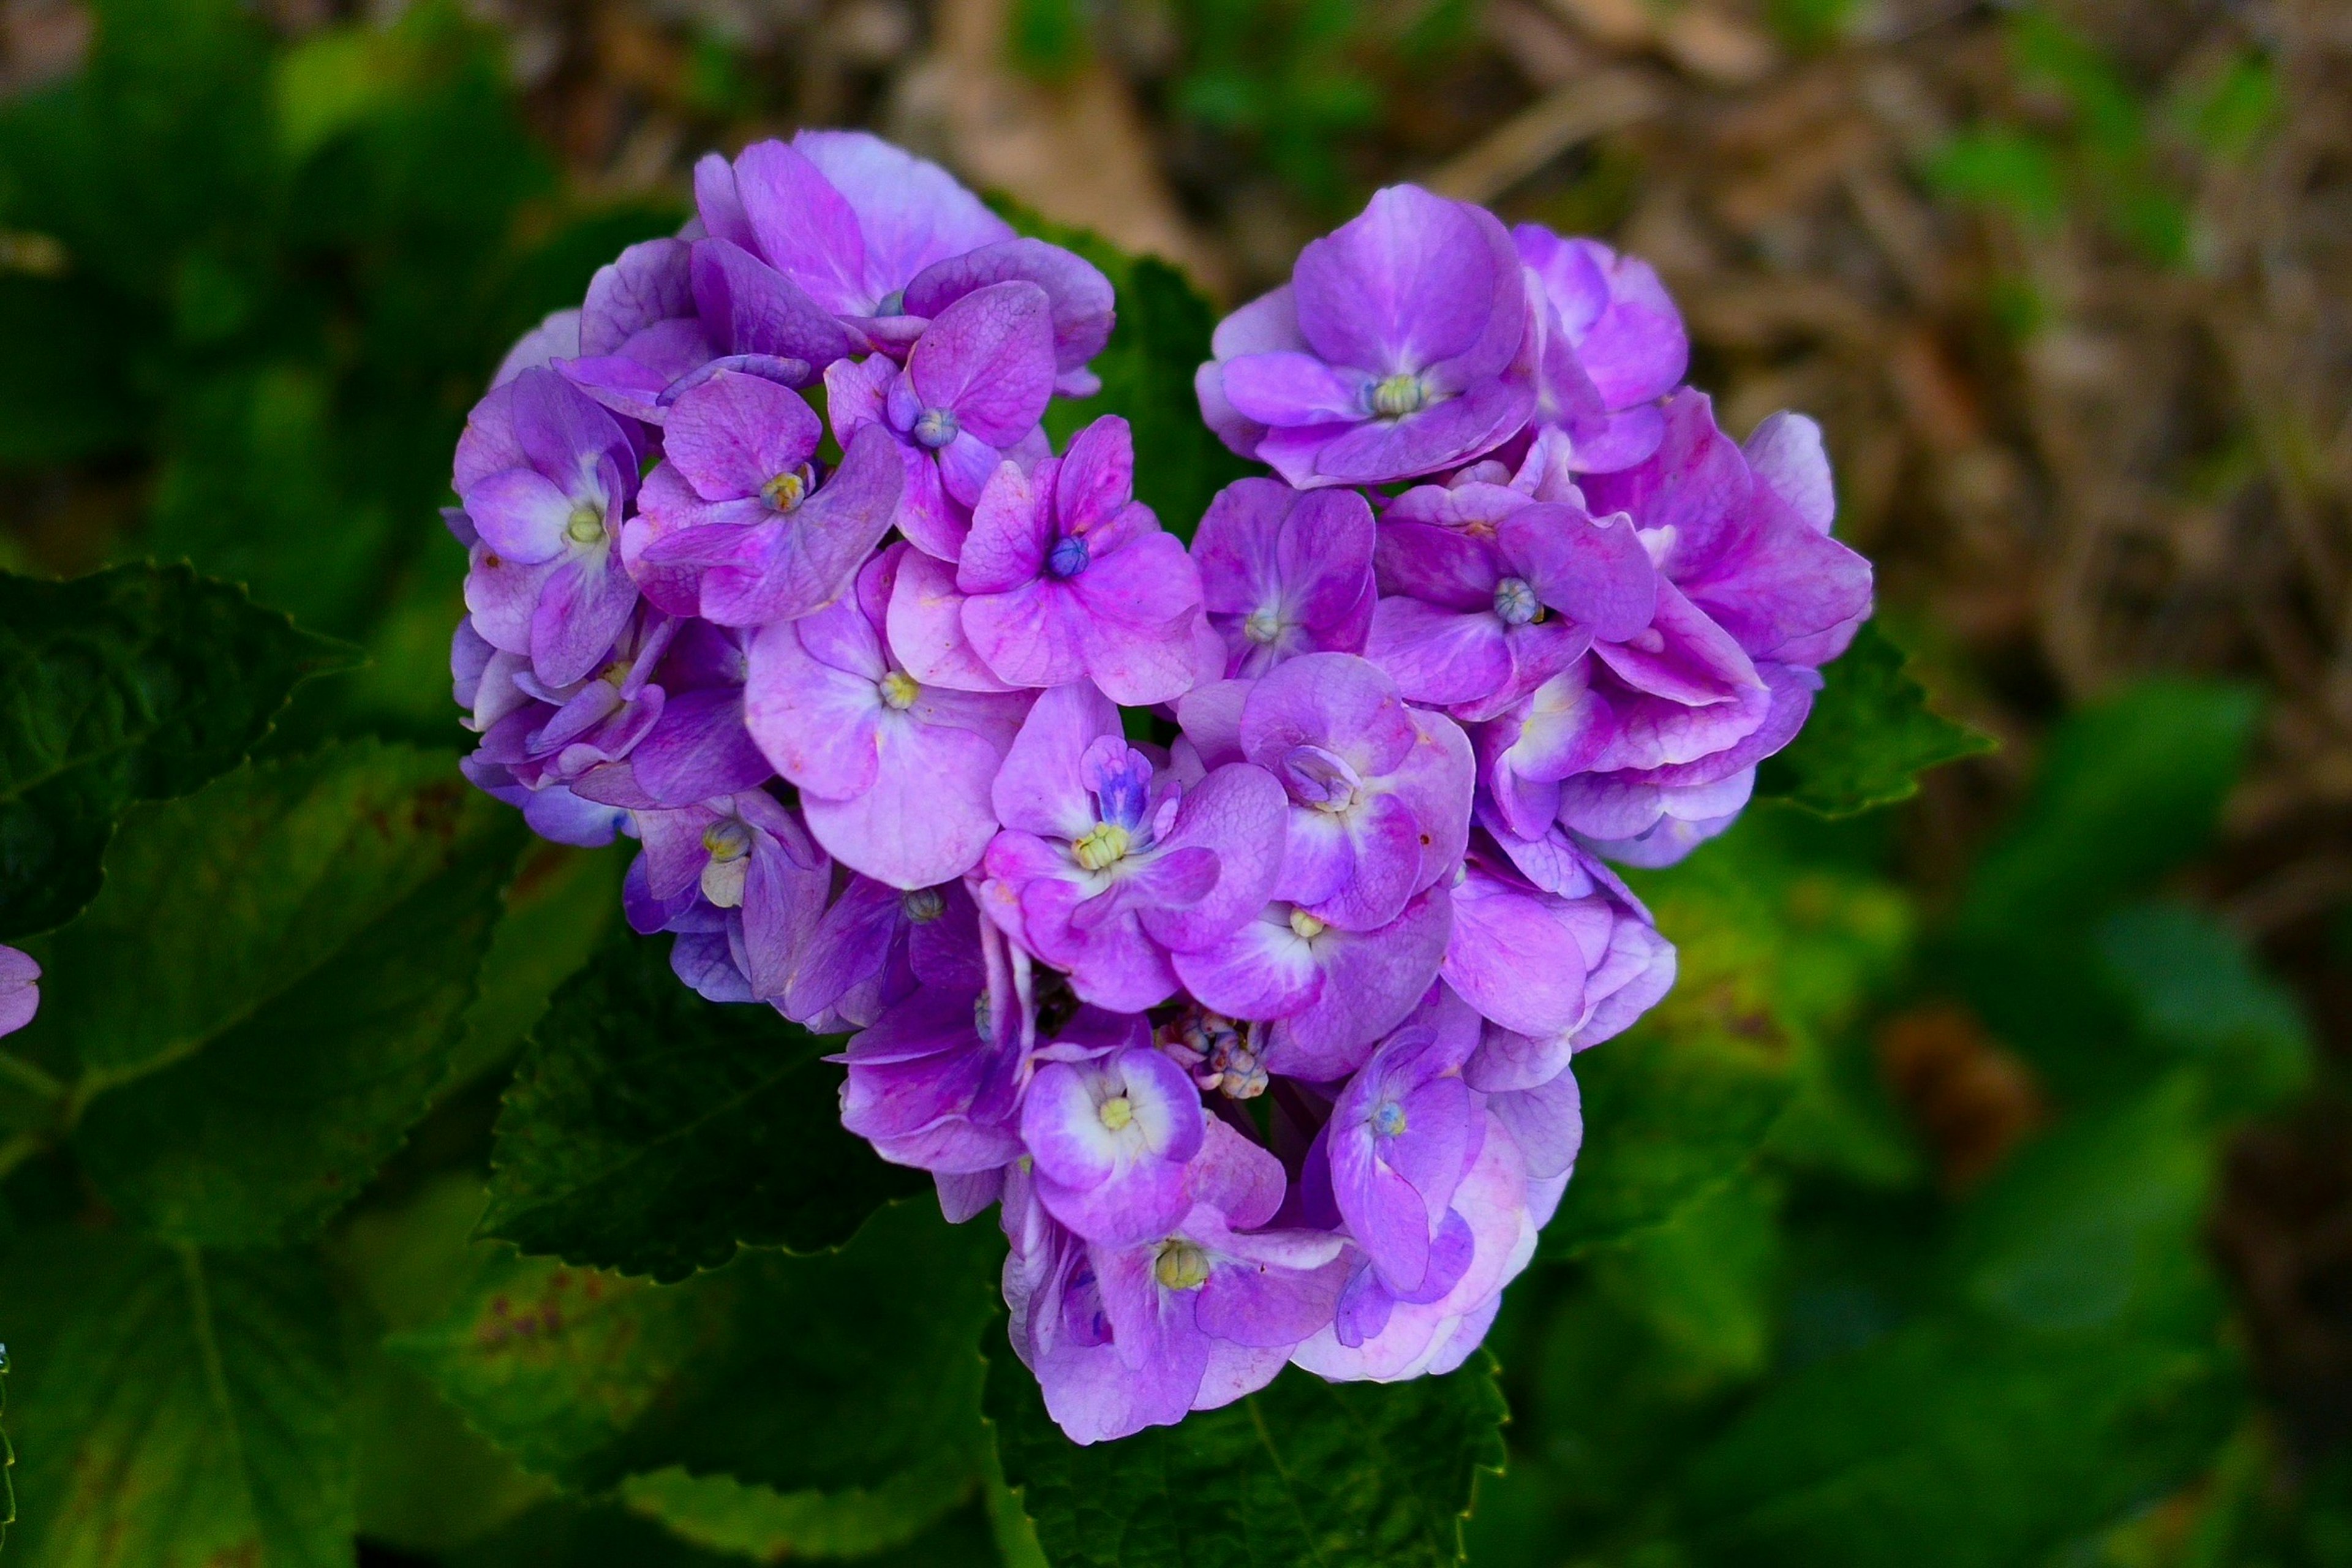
x=1983 y=1194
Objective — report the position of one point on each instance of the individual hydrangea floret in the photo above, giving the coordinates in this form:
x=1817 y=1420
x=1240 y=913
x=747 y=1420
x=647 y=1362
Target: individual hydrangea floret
x=1285 y=571
x=20 y=990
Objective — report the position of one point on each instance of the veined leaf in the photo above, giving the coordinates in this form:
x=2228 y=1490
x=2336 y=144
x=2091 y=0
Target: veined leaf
x=305 y=936
x=177 y=1406
x=140 y=683
x=649 y=1131
x=1348 y=1475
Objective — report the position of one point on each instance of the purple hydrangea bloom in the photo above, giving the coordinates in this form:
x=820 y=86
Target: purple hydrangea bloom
x=1107 y=863
x=735 y=526
x=638 y=338
x=1606 y=343
x=535 y=736
x=20 y=990
x=1389 y=355
x=746 y=857
x=546 y=476
x=844 y=225
x=1125 y=1337
x=935 y=1083
x=873 y=946
x=1109 y=1137
x=894 y=775
x=1329 y=992
x=1065 y=576
x=1285 y=571
x=1379 y=793
x=1475 y=620
x=974 y=388
x=1753 y=597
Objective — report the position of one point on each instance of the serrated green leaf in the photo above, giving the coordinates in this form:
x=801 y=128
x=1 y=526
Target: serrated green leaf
x=140 y=683
x=569 y=1533
x=819 y=1374
x=177 y=1407
x=1869 y=738
x=1351 y=1474
x=1161 y=338
x=558 y=908
x=263 y=999
x=649 y=1132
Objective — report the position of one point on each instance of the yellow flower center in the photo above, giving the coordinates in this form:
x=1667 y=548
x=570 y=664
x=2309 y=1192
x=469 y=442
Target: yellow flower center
x=586 y=525
x=1305 y=926
x=898 y=690
x=1104 y=844
x=1117 y=1113
x=1182 y=1266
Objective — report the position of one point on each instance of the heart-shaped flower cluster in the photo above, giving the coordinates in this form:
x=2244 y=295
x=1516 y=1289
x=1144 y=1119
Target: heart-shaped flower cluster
x=1229 y=915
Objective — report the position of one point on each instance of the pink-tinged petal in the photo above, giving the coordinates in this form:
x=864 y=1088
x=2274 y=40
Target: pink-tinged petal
x=1783 y=591
x=1545 y=1122
x=1034 y=635
x=1786 y=453
x=1385 y=1216
x=856 y=393
x=1324 y=559
x=1514 y=957
x=1235 y=547
x=716 y=202
x=1506 y=1060
x=1683 y=655
x=1593 y=570
x=1289 y=390
x=816 y=549
x=1012 y=528
x=1438 y=656
x=1097 y=479
x=1373 y=981
x=1450 y=567
x=502 y=595
x=1236 y=1176
x=1411 y=281
x=520 y=514
x=1236 y=814
x=734 y=433
x=1334 y=700
x=989 y=358
x=1263 y=969
x=1114 y=964
x=805 y=227
x=1318 y=859
x=1692 y=495
x=648 y=283
x=1383 y=855
x=1619 y=440
x=751 y=308
x=819 y=724
x=925 y=818
x=1139 y=609
x=927 y=628
x=1081 y=295
x=557 y=337
x=1039 y=790
x=20 y=995
x=582 y=608
x=966 y=464
x=1437 y=779
x=1440 y=436
x=932 y=520
x=911 y=212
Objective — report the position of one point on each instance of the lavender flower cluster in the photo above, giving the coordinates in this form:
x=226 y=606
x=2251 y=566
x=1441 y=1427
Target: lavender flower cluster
x=1261 y=1037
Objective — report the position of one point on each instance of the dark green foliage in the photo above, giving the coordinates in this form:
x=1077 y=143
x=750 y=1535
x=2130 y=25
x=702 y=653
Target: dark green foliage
x=135 y=684
x=177 y=1406
x=1161 y=338
x=649 y=1132
x=1870 y=735
x=308 y=935
x=1368 y=1475
x=845 y=1369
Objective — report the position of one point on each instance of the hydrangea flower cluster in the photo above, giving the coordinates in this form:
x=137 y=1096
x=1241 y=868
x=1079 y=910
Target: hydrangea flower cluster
x=1229 y=915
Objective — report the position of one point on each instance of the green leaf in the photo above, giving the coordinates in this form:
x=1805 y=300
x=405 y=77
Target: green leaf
x=2077 y=1374
x=140 y=683
x=1870 y=736
x=558 y=908
x=826 y=1372
x=7 y=1458
x=177 y=1407
x=650 y=1132
x=1362 y=1475
x=724 y=1514
x=265 y=996
x=573 y=1534
x=2130 y=787
x=424 y=1481
x=1161 y=337
x=2196 y=994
